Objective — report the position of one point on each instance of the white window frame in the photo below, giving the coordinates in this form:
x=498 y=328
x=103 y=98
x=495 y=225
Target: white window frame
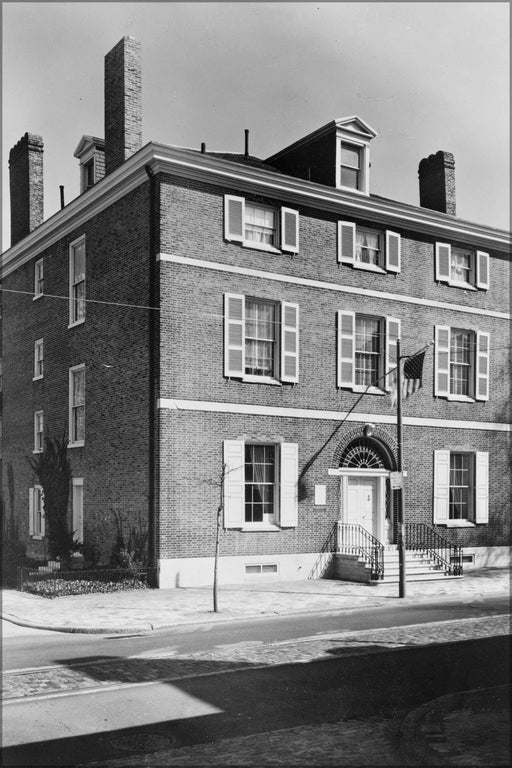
x=73 y=443
x=84 y=166
x=72 y=300
x=77 y=525
x=38 y=431
x=479 y=376
x=36 y=513
x=286 y=341
x=390 y=246
x=38 y=359
x=281 y=216
x=270 y=520
x=390 y=329
x=364 y=173
x=477 y=260
x=38 y=279
x=285 y=486
x=479 y=489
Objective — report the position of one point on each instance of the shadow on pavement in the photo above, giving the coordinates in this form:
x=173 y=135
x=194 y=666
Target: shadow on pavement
x=262 y=699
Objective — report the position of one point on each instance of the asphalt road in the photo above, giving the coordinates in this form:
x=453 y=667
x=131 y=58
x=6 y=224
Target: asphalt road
x=33 y=648
x=197 y=709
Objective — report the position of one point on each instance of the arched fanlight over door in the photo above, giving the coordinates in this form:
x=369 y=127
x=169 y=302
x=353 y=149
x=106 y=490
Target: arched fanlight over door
x=363 y=453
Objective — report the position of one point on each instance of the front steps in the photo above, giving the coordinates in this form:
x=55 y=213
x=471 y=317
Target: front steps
x=419 y=566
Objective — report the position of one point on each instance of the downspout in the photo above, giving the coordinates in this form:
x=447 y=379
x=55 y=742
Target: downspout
x=154 y=367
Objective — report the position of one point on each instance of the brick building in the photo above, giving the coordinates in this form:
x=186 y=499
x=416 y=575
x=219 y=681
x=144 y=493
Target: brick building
x=192 y=311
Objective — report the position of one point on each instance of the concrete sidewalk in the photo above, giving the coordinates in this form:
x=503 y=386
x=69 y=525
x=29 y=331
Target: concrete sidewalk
x=146 y=610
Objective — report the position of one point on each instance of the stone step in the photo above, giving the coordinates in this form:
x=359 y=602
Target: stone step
x=432 y=576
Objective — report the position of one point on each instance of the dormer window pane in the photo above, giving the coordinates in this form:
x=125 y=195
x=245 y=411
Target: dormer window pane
x=89 y=174
x=350 y=166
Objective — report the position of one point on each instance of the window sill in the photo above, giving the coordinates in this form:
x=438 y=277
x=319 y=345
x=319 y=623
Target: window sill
x=78 y=322
x=258 y=527
x=261 y=380
x=37 y=296
x=79 y=444
x=352 y=189
x=37 y=537
x=459 y=524
x=260 y=246
x=359 y=388
x=368 y=267
x=37 y=378
x=461 y=399
x=37 y=450
x=464 y=286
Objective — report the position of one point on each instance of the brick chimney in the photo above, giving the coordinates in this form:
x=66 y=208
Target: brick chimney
x=123 y=103
x=26 y=181
x=437 y=182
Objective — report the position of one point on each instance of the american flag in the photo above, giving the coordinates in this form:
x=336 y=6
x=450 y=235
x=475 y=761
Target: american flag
x=411 y=377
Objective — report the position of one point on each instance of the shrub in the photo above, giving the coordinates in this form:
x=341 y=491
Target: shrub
x=62 y=587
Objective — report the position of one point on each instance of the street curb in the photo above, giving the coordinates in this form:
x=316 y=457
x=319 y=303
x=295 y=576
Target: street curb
x=160 y=627
x=414 y=747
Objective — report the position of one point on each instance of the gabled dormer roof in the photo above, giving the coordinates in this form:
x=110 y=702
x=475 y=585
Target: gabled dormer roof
x=86 y=143
x=355 y=125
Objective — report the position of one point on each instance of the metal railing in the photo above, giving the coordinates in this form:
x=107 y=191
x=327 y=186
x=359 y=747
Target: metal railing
x=356 y=540
x=447 y=556
x=51 y=583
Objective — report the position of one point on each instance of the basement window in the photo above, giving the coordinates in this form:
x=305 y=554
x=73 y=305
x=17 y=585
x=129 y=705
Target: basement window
x=260 y=568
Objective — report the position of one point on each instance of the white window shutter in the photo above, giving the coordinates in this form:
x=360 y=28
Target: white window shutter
x=346 y=349
x=482 y=269
x=31 y=511
x=234 y=485
x=346 y=242
x=392 y=335
x=289 y=342
x=43 y=516
x=234 y=335
x=234 y=212
x=289 y=230
x=443 y=257
x=482 y=487
x=442 y=361
x=441 y=486
x=289 y=481
x=393 y=249
x=482 y=366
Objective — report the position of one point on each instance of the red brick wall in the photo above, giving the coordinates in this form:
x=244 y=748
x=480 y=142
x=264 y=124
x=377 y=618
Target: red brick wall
x=113 y=344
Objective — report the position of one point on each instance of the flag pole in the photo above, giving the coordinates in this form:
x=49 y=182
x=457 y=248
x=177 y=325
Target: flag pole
x=401 y=516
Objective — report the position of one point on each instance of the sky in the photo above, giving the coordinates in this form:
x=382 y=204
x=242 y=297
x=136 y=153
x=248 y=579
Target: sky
x=425 y=76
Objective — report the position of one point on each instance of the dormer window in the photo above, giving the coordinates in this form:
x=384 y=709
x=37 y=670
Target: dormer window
x=88 y=175
x=350 y=167
x=91 y=155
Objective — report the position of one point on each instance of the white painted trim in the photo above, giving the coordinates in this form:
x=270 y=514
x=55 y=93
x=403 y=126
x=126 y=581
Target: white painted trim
x=321 y=284
x=183 y=162
x=306 y=413
x=74 y=443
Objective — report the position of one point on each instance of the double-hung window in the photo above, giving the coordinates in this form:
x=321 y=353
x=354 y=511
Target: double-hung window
x=77 y=281
x=77 y=405
x=350 y=166
x=78 y=509
x=461 y=364
x=38 y=359
x=261 y=339
x=461 y=488
x=38 y=279
x=38 y=431
x=461 y=267
x=254 y=225
x=370 y=249
x=36 y=512
x=366 y=351
x=260 y=485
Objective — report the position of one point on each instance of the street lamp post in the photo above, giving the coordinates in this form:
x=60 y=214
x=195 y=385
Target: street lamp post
x=401 y=516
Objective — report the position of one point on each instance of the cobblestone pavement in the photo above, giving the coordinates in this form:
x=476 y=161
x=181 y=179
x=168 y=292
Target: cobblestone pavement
x=369 y=742
x=148 y=668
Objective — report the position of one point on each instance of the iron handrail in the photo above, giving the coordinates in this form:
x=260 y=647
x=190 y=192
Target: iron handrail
x=354 y=539
x=448 y=556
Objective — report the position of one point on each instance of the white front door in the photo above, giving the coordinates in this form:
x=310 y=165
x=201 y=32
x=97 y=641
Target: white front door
x=362 y=499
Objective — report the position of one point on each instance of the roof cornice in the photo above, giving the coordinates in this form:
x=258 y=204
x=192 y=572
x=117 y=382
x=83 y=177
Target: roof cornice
x=227 y=174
